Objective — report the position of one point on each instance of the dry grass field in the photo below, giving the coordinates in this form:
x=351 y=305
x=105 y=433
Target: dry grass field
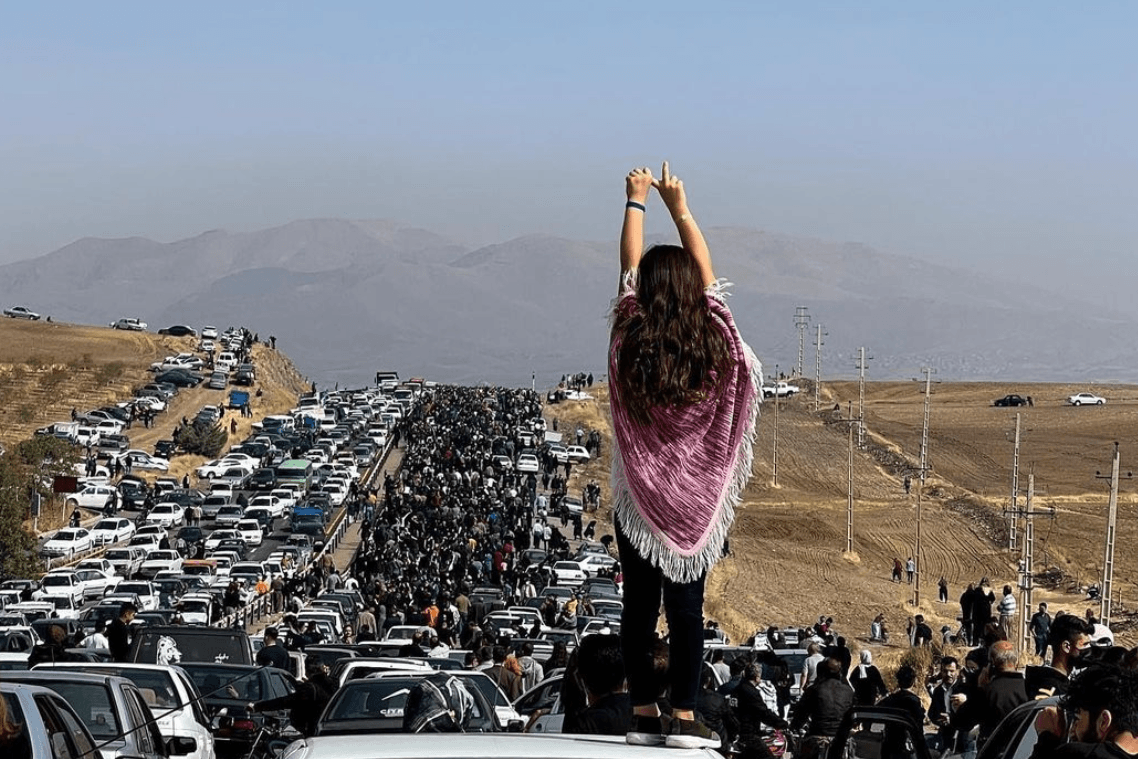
x=788 y=562
x=46 y=369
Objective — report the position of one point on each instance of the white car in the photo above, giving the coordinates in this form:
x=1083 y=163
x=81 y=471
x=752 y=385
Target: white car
x=218 y=467
x=65 y=607
x=209 y=333
x=577 y=454
x=780 y=389
x=250 y=531
x=93 y=496
x=150 y=403
x=1086 y=399
x=595 y=562
x=181 y=361
x=144 y=590
x=144 y=541
x=103 y=565
x=68 y=542
x=559 y=452
x=96 y=584
x=110 y=427
x=217 y=536
x=160 y=561
x=286 y=498
x=528 y=464
x=166 y=514
x=19 y=312
x=130 y=323
x=60 y=583
x=126 y=560
x=140 y=459
x=270 y=502
x=569 y=573
x=112 y=530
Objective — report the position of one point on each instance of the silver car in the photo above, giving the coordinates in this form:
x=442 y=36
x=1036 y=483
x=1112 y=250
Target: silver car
x=112 y=710
x=49 y=726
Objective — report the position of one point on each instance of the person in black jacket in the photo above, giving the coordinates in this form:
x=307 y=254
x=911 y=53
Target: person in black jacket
x=822 y=707
x=941 y=709
x=307 y=702
x=905 y=700
x=753 y=712
x=981 y=608
x=715 y=709
x=118 y=634
x=1004 y=690
x=1068 y=636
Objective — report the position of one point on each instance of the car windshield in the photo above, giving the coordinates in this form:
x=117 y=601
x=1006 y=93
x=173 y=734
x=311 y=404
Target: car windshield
x=66 y=535
x=221 y=683
x=107 y=524
x=57 y=581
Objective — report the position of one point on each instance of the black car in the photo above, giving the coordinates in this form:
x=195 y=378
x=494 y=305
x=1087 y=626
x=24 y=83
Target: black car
x=263 y=479
x=180 y=378
x=165 y=449
x=192 y=534
x=236 y=545
x=178 y=330
x=132 y=494
x=233 y=687
x=1010 y=401
x=244 y=377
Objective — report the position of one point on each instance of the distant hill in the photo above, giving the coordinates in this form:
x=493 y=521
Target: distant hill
x=346 y=298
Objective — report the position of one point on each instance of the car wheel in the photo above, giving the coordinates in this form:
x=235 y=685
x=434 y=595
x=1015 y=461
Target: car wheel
x=1099 y=403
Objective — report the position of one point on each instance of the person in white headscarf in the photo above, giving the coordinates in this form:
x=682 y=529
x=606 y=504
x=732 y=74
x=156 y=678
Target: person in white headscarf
x=866 y=681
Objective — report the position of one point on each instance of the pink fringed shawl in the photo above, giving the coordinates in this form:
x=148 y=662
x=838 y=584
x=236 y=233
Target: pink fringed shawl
x=676 y=483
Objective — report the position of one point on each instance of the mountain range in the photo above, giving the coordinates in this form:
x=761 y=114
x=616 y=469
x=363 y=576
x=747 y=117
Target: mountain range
x=347 y=298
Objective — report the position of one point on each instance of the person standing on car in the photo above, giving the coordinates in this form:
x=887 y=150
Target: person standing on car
x=684 y=398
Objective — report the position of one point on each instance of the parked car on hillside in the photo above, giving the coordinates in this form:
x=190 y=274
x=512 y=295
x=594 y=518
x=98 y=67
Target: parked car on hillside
x=19 y=312
x=178 y=330
x=129 y=323
x=780 y=389
x=93 y=496
x=1010 y=401
x=1086 y=399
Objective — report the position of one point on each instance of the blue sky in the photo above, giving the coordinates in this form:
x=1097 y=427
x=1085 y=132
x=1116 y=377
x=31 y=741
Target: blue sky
x=995 y=138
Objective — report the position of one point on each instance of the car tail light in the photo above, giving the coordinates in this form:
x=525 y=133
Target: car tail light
x=244 y=724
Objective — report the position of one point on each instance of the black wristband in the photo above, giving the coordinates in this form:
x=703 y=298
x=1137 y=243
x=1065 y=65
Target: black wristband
x=638 y=206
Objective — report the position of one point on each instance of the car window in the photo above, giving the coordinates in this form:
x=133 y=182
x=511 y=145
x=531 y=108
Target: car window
x=59 y=726
x=92 y=702
x=140 y=715
x=20 y=744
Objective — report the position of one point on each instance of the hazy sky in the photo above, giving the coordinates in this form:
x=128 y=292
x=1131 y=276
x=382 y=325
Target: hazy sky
x=994 y=138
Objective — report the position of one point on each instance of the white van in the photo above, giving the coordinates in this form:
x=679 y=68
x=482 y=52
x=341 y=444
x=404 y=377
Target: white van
x=225 y=362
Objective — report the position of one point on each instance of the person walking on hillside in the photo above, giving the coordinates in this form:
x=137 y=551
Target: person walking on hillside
x=1007 y=610
x=942 y=590
x=684 y=399
x=910 y=569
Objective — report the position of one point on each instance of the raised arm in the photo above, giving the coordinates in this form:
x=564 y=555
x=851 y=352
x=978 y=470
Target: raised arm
x=636 y=186
x=672 y=193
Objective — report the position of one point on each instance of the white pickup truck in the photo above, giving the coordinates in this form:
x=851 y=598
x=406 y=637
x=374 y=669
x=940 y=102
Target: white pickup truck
x=780 y=389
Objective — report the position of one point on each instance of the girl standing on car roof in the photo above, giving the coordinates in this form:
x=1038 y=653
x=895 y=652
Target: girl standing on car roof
x=685 y=398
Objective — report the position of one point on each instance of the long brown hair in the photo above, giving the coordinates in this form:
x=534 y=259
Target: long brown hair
x=670 y=343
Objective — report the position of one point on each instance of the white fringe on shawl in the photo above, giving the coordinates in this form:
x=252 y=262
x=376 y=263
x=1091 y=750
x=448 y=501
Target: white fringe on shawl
x=650 y=545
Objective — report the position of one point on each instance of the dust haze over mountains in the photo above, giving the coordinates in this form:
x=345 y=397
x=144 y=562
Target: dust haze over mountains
x=346 y=298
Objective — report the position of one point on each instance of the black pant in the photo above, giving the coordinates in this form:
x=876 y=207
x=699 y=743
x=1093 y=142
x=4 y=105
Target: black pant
x=683 y=608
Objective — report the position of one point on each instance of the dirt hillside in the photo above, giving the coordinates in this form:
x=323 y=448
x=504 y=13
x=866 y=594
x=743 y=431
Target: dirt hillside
x=46 y=369
x=788 y=562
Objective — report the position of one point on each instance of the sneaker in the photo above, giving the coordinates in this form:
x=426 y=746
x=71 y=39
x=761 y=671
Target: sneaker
x=646 y=731
x=691 y=733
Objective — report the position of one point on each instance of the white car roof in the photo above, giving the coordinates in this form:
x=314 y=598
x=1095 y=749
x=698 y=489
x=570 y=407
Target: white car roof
x=484 y=746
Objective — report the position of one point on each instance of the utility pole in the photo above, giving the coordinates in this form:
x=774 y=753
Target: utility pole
x=850 y=421
x=774 y=453
x=818 y=366
x=928 y=371
x=1027 y=579
x=861 y=359
x=801 y=319
x=1107 y=587
x=1013 y=513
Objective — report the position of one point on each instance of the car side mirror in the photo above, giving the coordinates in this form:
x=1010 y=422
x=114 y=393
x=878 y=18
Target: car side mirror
x=180 y=746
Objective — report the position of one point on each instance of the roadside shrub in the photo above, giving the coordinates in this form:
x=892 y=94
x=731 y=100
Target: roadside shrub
x=203 y=440
x=107 y=373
